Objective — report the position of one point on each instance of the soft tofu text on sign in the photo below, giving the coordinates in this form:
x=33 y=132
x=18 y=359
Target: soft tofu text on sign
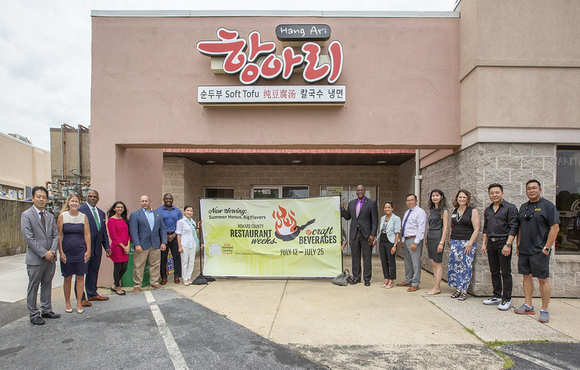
x=236 y=61
x=302 y=94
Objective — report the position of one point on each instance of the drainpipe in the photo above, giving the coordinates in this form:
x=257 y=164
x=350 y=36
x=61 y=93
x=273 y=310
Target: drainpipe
x=418 y=177
x=81 y=128
x=62 y=150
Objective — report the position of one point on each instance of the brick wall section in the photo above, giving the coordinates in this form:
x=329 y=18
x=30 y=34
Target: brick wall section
x=186 y=180
x=511 y=165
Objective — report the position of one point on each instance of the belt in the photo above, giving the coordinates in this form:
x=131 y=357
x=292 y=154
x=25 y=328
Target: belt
x=170 y=232
x=498 y=239
x=410 y=236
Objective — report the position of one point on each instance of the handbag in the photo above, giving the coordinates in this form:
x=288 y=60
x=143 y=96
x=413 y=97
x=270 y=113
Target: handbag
x=342 y=279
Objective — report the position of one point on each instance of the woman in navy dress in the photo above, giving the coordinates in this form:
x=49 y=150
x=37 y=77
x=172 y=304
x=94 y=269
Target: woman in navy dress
x=74 y=245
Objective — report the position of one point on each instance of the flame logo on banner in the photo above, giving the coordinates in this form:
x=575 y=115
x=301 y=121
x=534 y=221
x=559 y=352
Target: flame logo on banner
x=286 y=227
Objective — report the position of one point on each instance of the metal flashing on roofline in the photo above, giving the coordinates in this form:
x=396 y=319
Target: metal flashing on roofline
x=272 y=13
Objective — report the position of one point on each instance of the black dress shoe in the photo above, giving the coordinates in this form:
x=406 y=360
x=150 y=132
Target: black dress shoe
x=352 y=281
x=367 y=283
x=51 y=315
x=37 y=321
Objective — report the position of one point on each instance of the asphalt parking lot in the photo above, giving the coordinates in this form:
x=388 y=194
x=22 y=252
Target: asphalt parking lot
x=128 y=332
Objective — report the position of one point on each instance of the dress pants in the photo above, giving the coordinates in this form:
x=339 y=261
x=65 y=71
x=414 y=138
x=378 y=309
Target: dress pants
x=412 y=262
x=187 y=262
x=139 y=259
x=361 y=243
x=39 y=275
x=387 y=259
x=497 y=262
x=174 y=247
x=92 y=276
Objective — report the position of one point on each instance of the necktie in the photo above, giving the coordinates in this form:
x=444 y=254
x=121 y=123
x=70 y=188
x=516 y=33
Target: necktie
x=43 y=221
x=405 y=222
x=97 y=221
x=358 y=207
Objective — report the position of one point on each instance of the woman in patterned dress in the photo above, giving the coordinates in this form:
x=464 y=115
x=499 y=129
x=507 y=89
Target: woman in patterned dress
x=465 y=225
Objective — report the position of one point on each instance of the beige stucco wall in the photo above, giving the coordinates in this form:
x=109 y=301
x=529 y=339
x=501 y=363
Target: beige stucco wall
x=520 y=64
x=401 y=74
x=23 y=164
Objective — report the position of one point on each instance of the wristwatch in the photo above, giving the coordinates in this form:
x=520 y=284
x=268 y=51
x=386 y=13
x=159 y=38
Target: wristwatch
x=547 y=249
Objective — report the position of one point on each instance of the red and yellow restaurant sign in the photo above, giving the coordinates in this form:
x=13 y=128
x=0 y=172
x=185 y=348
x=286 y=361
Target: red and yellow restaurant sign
x=254 y=59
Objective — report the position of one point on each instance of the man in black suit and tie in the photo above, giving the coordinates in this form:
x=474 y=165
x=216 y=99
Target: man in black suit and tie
x=364 y=215
x=41 y=236
x=99 y=239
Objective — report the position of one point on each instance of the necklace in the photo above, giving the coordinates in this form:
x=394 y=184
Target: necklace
x=74 y=218
x=459 y=215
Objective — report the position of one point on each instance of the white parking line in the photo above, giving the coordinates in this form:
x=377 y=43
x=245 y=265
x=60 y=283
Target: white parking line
x=172 y=347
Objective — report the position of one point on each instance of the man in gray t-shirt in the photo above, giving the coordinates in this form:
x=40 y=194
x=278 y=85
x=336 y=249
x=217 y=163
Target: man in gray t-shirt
x=539 y=226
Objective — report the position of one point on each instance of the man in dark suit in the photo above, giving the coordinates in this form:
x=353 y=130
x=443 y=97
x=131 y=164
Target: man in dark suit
x=364 y=215
x=99 y=239
x=41 y=236
x=149 y=237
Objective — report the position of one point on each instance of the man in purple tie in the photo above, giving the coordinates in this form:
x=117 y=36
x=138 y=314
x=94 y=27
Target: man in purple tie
x=413 y=233
x=364 y=215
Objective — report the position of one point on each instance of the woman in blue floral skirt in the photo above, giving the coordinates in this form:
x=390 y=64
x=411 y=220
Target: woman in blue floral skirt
x=465 y=225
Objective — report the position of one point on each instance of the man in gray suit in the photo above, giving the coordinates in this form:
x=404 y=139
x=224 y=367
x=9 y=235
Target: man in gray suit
x=149 y=237
x=39 y=230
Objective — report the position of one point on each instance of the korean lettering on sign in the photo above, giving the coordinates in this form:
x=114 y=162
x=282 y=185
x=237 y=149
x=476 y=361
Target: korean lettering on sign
x=236 y=61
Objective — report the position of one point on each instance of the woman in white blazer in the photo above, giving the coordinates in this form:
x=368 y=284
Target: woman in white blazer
x=388 y=236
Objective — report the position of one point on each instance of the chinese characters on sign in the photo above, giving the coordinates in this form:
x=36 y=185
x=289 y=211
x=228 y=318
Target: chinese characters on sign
x=305 y=94
x=231 y=46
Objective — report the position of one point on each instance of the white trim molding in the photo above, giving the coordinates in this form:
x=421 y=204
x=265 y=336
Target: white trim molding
x=521 y=135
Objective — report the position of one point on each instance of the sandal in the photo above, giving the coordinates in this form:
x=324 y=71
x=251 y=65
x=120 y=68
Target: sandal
x=120 y=293
x=462 y=296
x=456 y=294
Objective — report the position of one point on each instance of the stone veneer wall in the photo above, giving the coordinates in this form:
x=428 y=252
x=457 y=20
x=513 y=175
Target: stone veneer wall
x=476 y=167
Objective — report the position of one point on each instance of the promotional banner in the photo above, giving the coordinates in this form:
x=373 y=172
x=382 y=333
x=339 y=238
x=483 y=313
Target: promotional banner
x=272 y=237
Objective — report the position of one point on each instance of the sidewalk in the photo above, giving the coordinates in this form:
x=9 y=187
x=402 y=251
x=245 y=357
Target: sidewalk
x=365 y=327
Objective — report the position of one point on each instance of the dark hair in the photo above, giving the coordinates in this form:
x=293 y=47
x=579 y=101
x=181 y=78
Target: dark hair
x=411 y=194
x=534 y=180
x=186 y=207
x=495 y=185
x=111 y=212
x=442 y=202
x=42 y=188
x=389 y=202
x=467 y=193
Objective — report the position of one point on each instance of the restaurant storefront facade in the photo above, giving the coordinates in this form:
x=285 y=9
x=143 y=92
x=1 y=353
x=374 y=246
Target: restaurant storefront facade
x=293 y=104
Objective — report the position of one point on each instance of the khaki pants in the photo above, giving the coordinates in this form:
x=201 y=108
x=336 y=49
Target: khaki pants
x=139 y=259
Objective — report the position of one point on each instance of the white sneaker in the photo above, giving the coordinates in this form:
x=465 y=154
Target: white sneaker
x=504 y=305
x=491 y=301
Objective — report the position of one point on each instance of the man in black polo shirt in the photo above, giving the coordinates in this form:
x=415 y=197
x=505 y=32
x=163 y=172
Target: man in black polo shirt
x=500 y=227
x=538 y=230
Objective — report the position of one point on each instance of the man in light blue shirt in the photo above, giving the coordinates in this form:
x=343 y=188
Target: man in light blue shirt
x=149 y=237
x=413 y=233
